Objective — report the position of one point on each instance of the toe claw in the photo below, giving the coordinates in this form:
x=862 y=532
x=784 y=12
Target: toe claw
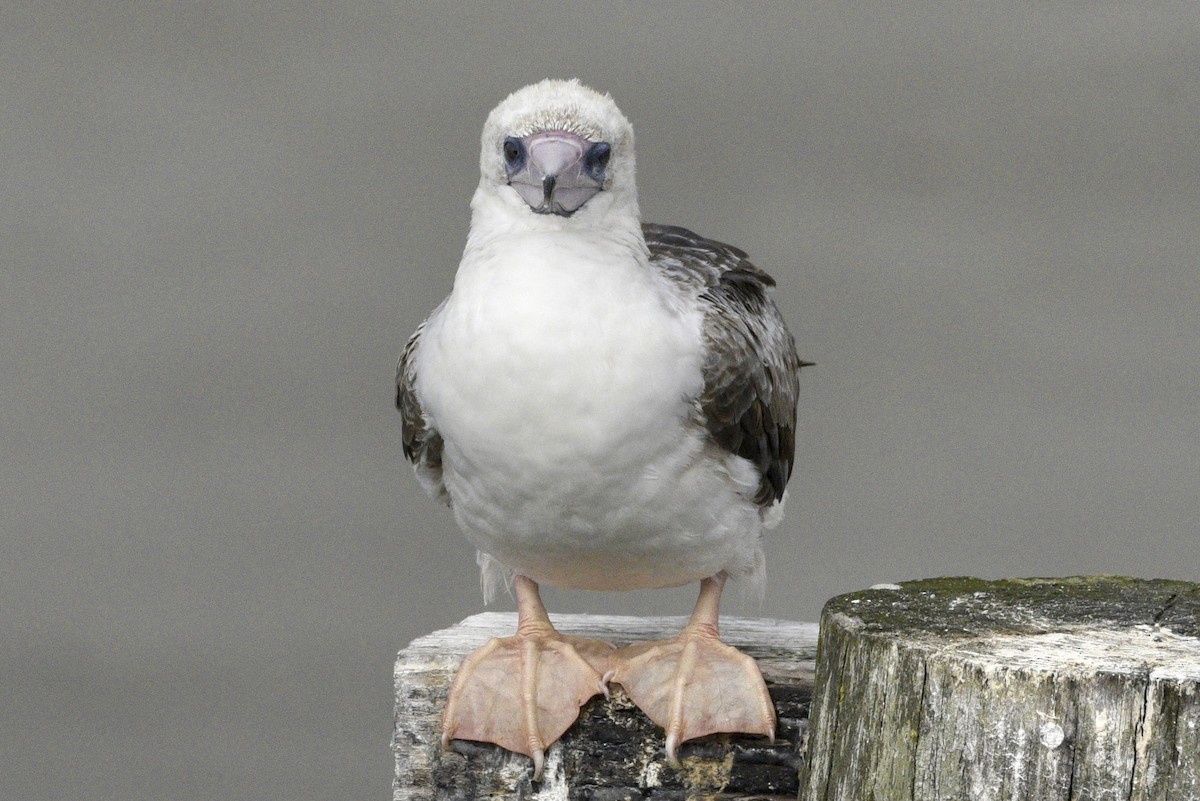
x=539 y=761
x=672 y=750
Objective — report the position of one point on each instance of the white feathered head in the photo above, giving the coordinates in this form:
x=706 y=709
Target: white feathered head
x=557 y=150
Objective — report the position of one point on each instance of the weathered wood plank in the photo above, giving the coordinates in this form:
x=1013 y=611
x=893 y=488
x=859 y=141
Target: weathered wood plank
x=1025 y=690
x=613 y=752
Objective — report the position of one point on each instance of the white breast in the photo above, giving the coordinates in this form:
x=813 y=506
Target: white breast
x=561 y=374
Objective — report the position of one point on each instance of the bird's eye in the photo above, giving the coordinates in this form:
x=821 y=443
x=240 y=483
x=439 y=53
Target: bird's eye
x=596 y=160
x=514 y=153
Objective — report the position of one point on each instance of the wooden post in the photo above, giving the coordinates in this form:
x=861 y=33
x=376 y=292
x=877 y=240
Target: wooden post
x=613 y=752
x=1031 y=690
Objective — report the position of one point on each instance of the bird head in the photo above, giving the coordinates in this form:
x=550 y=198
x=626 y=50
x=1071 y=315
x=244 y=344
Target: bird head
x=557 y=154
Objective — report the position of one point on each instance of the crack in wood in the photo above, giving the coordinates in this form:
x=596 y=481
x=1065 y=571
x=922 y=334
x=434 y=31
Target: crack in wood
x=919 y=722
x=1139 y=740
x=1158 y=616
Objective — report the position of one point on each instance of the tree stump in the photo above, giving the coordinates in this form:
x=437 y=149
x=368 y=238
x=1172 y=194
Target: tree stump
x=613 y=752
x=1027 y=690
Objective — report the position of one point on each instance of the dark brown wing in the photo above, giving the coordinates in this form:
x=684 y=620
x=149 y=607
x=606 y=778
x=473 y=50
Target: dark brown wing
x=751 y=370
x=422 y=444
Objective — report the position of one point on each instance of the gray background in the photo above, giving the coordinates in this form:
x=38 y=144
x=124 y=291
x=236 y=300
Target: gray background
x=220 y=221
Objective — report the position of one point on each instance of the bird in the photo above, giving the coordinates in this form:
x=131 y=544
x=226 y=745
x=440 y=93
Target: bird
x=604 y=404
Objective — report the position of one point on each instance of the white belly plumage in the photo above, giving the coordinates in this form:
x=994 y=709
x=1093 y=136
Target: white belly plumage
x=561 y=384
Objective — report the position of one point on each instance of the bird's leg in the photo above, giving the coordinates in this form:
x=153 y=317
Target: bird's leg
x=522 y=692
x=695 y=684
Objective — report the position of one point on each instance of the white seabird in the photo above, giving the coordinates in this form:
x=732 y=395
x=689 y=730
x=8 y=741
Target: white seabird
x=604 y=405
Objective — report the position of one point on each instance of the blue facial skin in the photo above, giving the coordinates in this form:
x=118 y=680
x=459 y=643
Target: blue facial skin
x=514 y=155
x=559 y=191
x=596 y=161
